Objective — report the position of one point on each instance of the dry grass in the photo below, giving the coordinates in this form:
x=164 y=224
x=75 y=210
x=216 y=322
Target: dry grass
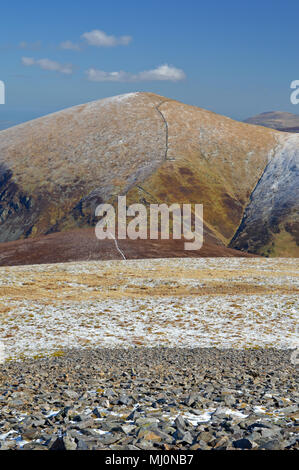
x=220 y=302
x=117 y=279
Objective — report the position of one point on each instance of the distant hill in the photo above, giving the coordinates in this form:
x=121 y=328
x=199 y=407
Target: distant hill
x=286 y=122
x=55 y=170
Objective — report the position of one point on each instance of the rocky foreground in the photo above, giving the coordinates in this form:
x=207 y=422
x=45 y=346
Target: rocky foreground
x=151 y=398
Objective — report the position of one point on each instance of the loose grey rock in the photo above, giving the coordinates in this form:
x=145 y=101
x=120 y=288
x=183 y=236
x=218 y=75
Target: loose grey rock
x=176 y=399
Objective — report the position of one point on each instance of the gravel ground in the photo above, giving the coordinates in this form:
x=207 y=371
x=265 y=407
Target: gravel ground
x=151 y=398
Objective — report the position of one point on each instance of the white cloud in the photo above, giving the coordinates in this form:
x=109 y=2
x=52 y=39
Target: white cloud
x=101 y=76
x=69 y=45
x=27 y=61
x=47 y=64
x=101 y=39
x=161 y=73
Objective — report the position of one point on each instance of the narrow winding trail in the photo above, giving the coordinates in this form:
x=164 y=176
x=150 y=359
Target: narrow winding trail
x=166 y=126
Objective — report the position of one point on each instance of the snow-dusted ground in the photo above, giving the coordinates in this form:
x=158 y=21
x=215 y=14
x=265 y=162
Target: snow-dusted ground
x=220 y=302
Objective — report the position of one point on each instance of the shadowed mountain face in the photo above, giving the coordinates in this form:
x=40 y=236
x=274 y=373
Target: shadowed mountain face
x=286 y=122
x=55 y=170
x=270 y=223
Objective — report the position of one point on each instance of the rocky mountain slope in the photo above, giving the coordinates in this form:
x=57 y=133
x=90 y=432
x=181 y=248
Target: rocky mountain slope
x=271 y=221
x=55 y=170
x=279 y=120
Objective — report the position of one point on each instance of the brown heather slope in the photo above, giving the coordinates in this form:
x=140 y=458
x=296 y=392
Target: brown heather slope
x=82 y=245
x=55 y=170
x=211 y=160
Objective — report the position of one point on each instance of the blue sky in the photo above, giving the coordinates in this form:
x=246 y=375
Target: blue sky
x=236 y=58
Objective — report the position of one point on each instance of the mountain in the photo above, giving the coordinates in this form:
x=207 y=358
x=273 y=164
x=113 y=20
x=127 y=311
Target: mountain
x=286 y=122
x=56 y=169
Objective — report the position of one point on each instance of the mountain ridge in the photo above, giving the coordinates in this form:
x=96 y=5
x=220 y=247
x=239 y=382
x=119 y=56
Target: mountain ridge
x=56 y=169
x=279 y=120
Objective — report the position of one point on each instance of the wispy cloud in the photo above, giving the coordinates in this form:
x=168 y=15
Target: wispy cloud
x=69 y=45
x=27 y=61
x=47 y=64
x=162 y=73
x=30 y=45
x=99 y=38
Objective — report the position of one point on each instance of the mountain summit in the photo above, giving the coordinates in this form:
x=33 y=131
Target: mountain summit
x=56 y=169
